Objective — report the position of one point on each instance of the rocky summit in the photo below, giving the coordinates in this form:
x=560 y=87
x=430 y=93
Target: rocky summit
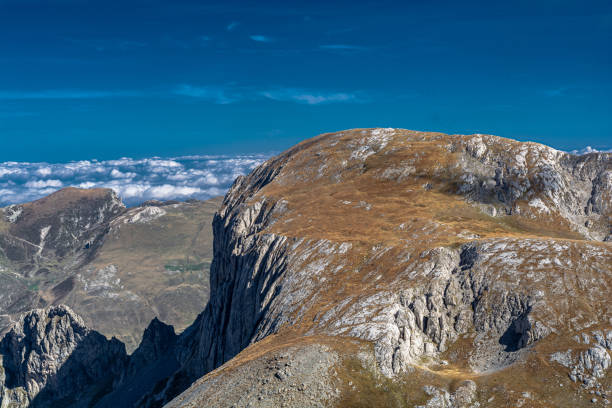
x=377 y=267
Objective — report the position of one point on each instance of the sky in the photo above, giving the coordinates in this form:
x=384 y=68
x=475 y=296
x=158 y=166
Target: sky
x=102 y=80
x=106 y=79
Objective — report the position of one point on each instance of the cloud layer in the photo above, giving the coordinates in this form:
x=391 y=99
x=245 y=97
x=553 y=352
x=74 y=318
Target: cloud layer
x=589 y=149
x=135 y=180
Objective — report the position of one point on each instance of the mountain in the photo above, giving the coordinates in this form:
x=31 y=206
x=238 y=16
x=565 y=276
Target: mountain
x=116 y=267
x=388 y=267
x=50 y=358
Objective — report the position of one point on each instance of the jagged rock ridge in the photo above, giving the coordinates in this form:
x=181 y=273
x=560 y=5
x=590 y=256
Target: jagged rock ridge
x=51 y=356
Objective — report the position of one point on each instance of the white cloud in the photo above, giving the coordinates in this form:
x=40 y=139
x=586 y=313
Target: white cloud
x=118 y=174
x=132 y=190
x=135 y=180
x=8 y=171
x=232 y=26
x=157 y=163
x=87 y=184
x=169 y=191
x=44 y=171
x=43 y=183
x=589 y=149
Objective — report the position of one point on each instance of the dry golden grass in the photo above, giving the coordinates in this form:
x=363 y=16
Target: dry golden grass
x=63 y=198
x=317 y=211
x=331 y=197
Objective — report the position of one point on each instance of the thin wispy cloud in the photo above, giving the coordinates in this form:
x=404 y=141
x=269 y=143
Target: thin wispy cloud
x=310 y=97
x=556 y=91
x=261 y=38
x=232 y=26
x=233 y=93
x=215 y=94
x=65 y=94
x=218 y=94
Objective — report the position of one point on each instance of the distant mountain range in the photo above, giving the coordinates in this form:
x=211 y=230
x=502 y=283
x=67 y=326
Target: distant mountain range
x=117 y=267
x=363 y=268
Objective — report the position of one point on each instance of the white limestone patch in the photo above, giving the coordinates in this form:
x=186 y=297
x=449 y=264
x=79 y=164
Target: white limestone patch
x=539 y=205
x=344 y=247
x=43 y=234
x=468 y=235
x=145 y=215
x=398 y=174
x=103 y=281
x=362 y=153
x=12 y=213
x=476 y=147
x=365 y=205
x=317 y=267
x=374 y=143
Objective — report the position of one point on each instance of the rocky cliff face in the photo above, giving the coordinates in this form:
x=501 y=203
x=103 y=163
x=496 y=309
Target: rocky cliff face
x=416 y=243
x=418 y=269
x=49 y=357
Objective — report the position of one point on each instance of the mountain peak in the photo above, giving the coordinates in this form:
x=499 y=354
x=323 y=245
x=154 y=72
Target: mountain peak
x=394 y=171
x=50 y=353
x=61 y=223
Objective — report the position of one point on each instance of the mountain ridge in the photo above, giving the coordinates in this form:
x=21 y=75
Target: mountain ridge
x=118 y=267
x=419 y=268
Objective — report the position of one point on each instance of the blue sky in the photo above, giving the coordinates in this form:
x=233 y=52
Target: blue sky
x=103 y=80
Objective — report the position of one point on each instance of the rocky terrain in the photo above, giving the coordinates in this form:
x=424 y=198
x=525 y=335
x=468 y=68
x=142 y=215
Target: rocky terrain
x=116 y=267
x=52 y=358
x=387 y=267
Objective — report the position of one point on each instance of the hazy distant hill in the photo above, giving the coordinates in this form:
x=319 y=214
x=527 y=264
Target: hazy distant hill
x=116 y=267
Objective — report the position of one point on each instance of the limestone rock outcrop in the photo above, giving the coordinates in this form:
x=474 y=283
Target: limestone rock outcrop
x=49 y=355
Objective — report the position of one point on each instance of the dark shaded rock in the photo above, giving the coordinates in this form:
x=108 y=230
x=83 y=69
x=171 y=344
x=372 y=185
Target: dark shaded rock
x=50 y=355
